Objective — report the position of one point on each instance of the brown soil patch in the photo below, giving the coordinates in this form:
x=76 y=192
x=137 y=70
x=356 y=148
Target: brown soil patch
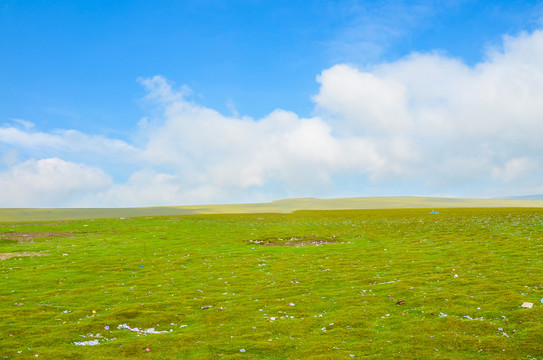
x=295 y=241
x=17 y=225
x=4 y=256
x=28 y=236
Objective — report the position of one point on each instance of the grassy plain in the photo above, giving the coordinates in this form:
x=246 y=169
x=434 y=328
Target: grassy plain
x=372 y=284
x=278 y=206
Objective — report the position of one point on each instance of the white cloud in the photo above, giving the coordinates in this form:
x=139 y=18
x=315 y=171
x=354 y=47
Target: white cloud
x=202 y=146
x=149 y=188
x=515 y=169
x=24 y=123
x=426 y=124
x=41 y=183
x=362 y=102
x=459 y=123
x=369 y=30
x=65 y=141
x=9 y=157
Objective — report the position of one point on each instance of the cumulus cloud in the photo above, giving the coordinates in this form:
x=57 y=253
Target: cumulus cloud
x=457 y=122
x=40 y=183
x=425 y=124
x=148 y=187
x=201 y=146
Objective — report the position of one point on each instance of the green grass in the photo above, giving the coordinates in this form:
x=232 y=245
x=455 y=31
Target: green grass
x=380 y=290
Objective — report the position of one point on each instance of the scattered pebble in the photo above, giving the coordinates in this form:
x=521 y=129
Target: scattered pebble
x=85 y=343
x=141 y=331
x=527 y=305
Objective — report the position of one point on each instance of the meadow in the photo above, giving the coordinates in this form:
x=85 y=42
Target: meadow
x=444 y=283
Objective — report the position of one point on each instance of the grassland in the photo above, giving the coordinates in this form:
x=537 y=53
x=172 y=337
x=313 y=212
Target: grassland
x=278 y=206
x=372 y=284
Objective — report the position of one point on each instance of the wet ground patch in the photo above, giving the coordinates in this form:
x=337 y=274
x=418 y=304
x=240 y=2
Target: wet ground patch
x=27 y=237
x=295 y=241
x=4 y=256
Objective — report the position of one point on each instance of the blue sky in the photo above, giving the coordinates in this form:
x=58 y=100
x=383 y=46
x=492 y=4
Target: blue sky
x=178 y=102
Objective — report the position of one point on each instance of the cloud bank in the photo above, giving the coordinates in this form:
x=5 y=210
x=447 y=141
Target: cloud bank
x=426 y=124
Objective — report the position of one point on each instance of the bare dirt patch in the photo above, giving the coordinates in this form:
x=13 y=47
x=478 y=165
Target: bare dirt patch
x=295 y=241
x=25 y=237
x=18 y=225
x=4 y=256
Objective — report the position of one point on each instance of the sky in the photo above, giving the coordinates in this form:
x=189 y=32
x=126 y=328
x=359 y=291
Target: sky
x=147 y=103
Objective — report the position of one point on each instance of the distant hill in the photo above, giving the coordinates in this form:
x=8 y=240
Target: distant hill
x=279 y=206
x=525 y=197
